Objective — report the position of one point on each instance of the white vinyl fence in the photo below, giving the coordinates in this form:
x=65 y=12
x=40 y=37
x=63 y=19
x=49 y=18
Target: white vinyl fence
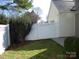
x=42 y=31
x=4 y=38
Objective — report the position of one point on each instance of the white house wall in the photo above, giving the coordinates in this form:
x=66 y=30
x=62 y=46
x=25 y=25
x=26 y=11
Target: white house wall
x=53 y=13
x=77 y=24
x=67 y=24
x=62 y=17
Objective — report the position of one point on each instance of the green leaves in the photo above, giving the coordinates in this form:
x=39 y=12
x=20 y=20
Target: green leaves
x=3 y=19
x=71 y=44
x=3 y=7
x=20 y=5
x=25 y=4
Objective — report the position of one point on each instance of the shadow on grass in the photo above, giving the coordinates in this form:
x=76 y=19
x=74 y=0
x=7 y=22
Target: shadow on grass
x=41 y=49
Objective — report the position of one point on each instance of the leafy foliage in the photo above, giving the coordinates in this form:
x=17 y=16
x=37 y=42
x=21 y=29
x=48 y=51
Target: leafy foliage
x=3 y=19
x=31 y=17
x=19 y=28
x=71 y=44
x=3 y=7
x=26 y=4
x=20 y=5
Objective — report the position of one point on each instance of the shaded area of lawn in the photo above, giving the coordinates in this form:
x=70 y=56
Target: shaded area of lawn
x=42 y=49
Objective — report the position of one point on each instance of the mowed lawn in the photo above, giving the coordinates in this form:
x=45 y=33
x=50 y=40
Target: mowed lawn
x=41 y=49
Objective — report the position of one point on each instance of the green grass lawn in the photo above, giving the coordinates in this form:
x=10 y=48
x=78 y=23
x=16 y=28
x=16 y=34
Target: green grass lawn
x=42 y=49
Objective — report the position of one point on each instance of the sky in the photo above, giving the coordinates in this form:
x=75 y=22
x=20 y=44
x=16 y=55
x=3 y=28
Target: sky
x=44 y=6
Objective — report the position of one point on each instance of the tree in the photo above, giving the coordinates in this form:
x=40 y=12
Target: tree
x=3 y=19
x=18 y=28
x=32 y=16
x=20 y=5
x=26 y=4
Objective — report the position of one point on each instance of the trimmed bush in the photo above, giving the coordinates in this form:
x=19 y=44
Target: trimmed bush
x=20 y=26
x=18 y=30
x=71 y=44
x=77 y=48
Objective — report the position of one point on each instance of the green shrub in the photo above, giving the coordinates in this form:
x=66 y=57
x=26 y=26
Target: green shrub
x=77 y=48
x=19 y=28
x=3 y=19
x=71 y=44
